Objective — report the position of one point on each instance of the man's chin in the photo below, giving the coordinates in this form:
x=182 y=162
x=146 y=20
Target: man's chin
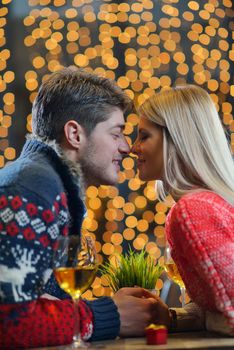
x=111 y=180
x=106 y=181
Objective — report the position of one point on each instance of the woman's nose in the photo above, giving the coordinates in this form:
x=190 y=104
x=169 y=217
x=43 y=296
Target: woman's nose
x=134 y=148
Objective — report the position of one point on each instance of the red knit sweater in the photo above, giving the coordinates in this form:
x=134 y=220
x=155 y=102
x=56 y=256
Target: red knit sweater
x=200 y=230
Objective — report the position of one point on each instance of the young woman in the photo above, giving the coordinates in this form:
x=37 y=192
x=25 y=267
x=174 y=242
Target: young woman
x=182 y=143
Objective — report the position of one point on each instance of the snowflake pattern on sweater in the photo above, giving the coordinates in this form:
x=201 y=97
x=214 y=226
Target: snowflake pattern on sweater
x=34 y=211
x=40 y=200
x=38 y=227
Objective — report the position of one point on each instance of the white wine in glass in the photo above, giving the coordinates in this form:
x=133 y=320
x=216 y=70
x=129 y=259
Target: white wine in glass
x=75 y=280
x=75 y=267
x=173 y=272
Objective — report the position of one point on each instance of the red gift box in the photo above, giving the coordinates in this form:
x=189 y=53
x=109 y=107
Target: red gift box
x=156 y=334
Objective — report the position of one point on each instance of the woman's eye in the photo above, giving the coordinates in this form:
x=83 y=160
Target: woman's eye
x=143 y=137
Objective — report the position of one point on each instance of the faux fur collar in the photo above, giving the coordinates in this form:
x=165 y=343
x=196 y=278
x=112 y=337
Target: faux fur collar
x=74 y=167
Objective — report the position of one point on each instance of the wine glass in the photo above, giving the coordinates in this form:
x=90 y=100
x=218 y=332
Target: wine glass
x=75 y=267
x=173 y=272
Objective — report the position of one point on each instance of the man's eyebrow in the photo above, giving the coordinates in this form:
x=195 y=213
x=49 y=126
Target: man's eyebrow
x=121 y=126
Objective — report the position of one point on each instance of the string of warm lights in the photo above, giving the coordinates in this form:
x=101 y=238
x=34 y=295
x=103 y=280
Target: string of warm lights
x=144 y=45
x=7 y=76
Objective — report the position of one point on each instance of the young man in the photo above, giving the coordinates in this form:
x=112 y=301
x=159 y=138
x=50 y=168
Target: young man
x=77 y=141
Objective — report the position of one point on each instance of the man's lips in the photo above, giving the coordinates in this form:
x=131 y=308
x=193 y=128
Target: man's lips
x=117 y=163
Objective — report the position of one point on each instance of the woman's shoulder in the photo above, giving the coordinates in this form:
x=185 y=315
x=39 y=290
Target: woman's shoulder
x=201 y=206
x=204 y=199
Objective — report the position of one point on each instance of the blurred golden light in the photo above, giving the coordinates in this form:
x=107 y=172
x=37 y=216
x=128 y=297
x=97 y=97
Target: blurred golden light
x=139 y=243
x=94 y=203
x=137 y=85
x=142 y=225
x=220 y=12
x=3 y=131
x=110 y=214
x=188 y=16
x=183 y=68
x=193 y=5
x=116 y=238
x=210 y=31
x=165 y=80
x=212 y=85
x=29 y=20
x=140 y=202
x=122 y=17
x=107 y=236
x=96 y=38
x=118 y=202
x=6 y=121
x=131 y=221
x=134 y=19
x=159 y=231
x=150 y=193
x=204 y=39
x=3 y=11
x=161 y=207
x=148 y=216
x=8 y=98
x=224 y=76
x=2 y=160
x=160 y=218
x=2 y=85
x=205 y=15
x=9 y=153
x=108 y=248
x=81 y=60
x=9 y=76
x=164 y=57
x=179 y=57
x=129 y=234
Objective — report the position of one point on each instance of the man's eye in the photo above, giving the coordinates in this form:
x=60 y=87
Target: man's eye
x=116 y=136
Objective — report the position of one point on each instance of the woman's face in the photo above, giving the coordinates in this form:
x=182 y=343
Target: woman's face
x=149 y=148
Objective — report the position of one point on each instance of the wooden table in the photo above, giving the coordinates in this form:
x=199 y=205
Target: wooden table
x=195 y=340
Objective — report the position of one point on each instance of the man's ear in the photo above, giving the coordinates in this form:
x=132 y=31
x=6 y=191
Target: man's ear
x=74 y=134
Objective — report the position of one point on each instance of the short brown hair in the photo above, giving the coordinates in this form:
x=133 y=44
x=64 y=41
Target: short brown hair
x=73 y=93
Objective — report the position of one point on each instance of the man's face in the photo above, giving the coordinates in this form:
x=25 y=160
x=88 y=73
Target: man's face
x=102 y=155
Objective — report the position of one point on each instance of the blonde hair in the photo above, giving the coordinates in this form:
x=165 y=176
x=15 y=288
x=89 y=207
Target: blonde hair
x=196 y=152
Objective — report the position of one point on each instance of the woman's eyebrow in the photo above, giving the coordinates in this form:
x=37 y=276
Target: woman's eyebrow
x=142 y=130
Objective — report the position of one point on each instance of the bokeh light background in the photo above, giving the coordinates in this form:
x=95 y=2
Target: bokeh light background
x=145 y=46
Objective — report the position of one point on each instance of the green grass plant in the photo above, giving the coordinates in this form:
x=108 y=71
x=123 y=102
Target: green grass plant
x=132 y=269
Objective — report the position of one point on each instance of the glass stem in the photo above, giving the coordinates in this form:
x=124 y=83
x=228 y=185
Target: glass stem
x=182 y=290
x=76 y=337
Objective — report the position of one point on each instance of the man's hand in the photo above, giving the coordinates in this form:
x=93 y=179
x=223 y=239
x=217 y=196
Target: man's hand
x=138 y=308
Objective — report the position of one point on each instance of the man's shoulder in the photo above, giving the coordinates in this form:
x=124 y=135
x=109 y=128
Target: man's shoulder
x=32 y=175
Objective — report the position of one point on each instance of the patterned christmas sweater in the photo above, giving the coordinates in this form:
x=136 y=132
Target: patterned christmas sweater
x=200 y=230
x=40 y=200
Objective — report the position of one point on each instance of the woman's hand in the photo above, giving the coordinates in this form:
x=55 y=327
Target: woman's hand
x=138 y=308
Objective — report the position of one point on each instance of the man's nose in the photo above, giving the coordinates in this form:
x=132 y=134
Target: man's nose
x=124 y=146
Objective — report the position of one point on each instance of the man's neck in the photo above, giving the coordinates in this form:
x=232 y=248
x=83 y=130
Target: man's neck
x=73 y=166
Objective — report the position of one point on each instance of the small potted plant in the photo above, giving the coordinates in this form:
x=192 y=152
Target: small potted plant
x=132 y=269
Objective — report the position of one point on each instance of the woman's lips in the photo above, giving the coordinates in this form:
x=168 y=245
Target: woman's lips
x=140 y=162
